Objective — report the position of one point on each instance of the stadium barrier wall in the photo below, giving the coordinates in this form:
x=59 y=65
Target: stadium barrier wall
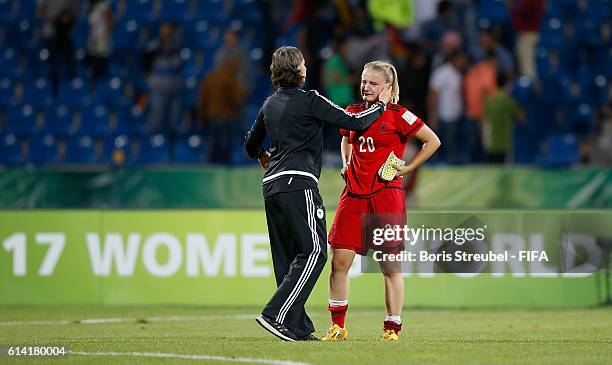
x=240 y=188
x=221 y=257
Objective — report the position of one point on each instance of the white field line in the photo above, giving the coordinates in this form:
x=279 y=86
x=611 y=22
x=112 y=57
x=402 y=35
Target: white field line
x=237 y=317
x=191 y=357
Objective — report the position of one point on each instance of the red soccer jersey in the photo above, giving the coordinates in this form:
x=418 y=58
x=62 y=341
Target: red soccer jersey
x=371 y=147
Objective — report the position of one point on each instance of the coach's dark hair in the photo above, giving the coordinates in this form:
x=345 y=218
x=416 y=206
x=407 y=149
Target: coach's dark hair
x=285 y=67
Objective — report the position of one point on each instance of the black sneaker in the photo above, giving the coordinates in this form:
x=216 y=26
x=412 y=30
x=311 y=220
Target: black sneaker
x=275 y=328
x=309 y=337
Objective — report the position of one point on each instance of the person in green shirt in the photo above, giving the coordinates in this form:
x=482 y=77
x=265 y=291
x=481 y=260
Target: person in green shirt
x=500 y=110
x=338 y=80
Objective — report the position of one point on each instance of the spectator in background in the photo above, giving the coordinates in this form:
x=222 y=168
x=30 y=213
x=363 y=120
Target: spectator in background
x=339 y=85
x=231 y=50
x=220 y=102
x=164 y=68
x=59 y=17
x=479 y=84
x=337 y=76
x=398 y=14
x=489 y=43
x=451 y=42
x=526 y=19
x=99 y=43
x=499 y=112
x=414 y=80
x=433 y=30
x=445 y=105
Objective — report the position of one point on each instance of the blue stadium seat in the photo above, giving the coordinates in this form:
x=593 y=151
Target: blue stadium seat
x=10 y=150
x=95 y=120
x=132 y=121
x=21 y=120
x=601 y=91
x=81 y=33
x=6 y=11
x=560 y=151
x=9 y=63
x=37 y=93
x=204 y=35
x=116 y=150
x=80 y=149
x=580 y=119
x=7 y=90
x=39 y=65
x=248 y=11
x=110 y=92
x=153 y=150
x=551 y=33
x=190 y=149
x=190 y=67
x=126 y=34
x=73 y=93
x=141 y=10
x=564 y=9
x=22 y=33
x=190 y=93
x=587 y=31
x=211 y=10
x=522 y=90
x=43 y=149
x=175 y=10
x=27 y=9
x=603 y=62
x=59 y=121
x=599 y=10
x=493 y=14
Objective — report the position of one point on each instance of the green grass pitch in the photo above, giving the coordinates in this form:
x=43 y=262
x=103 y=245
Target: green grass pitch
x=190 y=335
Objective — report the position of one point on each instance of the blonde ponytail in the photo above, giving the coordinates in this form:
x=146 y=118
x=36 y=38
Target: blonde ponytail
x=390 y=75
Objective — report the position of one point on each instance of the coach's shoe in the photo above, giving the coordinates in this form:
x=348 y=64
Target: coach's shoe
x=335 y=333
x=275 y=328
x=309 y=337
x=389 y=335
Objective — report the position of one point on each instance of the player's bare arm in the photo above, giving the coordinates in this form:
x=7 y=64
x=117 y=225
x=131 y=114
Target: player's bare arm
x=345 y=150
x=431 y=143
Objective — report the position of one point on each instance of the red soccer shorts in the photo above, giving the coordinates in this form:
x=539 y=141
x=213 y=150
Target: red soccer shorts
x=358 y=216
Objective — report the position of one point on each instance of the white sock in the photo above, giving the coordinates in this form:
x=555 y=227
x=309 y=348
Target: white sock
x=337 y=303
x=396 y=319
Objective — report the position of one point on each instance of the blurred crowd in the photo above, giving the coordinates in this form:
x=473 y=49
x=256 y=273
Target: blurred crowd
x=157 y=81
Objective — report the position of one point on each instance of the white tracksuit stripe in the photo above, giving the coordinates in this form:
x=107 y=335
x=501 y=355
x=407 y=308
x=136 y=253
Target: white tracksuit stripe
x=295 y=292
x=360 y=114
x=310 y=264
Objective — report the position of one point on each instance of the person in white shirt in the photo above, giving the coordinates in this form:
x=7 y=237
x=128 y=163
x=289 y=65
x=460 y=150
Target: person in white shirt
x=445 y=105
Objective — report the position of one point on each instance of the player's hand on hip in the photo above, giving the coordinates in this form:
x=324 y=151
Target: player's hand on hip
x=343 y=171
x=385 y=94
x=264 y=160
x=401 y=170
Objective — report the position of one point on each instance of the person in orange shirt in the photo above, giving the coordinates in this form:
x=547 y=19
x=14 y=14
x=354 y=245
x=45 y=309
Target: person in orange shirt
x=479 y=84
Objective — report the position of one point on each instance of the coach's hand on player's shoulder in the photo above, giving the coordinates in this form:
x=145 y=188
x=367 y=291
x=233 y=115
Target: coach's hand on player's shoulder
x=402 y=170
x=385 y=94
x=264 y=160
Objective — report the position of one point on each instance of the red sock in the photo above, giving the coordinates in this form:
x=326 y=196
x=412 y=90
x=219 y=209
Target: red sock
x=338 y=314
x=390 y=325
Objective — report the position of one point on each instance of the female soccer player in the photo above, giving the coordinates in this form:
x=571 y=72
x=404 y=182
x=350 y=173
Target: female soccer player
x=363 y=153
